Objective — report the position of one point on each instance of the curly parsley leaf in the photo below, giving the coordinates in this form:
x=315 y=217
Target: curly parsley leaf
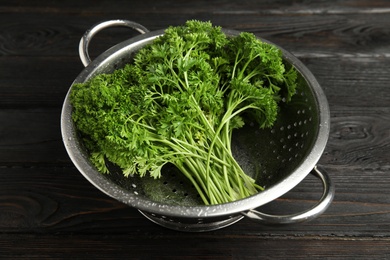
x=179 y=102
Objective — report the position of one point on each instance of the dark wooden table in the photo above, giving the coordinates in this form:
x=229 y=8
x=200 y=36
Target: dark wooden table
x=48 y=210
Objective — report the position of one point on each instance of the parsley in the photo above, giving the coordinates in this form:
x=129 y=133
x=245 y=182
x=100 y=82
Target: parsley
x=179 y=102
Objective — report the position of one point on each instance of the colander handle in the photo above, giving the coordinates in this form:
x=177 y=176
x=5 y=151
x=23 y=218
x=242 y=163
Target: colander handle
x=310 y=214
x=88 y=35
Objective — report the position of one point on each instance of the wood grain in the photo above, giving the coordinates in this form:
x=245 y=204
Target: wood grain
x=313 y=30
x=205 y=247
x=54 y=199
x=49 y=210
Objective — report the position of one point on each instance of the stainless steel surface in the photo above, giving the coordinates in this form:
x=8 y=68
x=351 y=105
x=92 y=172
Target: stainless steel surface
x=88 y=35
x=286 y=154
x=318 y=209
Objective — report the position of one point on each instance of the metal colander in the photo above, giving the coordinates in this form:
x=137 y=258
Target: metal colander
x=278 y=158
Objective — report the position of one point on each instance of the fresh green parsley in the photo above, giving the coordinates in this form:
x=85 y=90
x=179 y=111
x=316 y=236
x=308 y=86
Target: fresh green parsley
x=179 y=102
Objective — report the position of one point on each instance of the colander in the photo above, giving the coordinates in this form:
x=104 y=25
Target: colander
x=278 y=158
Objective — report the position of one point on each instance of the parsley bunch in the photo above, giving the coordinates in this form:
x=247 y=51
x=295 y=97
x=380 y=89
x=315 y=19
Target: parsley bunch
x=179 y=102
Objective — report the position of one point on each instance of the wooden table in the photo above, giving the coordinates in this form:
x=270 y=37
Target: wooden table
x=48 y=210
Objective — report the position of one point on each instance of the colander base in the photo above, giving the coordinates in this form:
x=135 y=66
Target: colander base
x=191 y=227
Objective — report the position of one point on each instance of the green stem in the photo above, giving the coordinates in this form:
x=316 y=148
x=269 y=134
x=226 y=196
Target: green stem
x=193 y=181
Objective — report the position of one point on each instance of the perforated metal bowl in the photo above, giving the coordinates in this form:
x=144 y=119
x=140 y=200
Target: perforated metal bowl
x=278 y=158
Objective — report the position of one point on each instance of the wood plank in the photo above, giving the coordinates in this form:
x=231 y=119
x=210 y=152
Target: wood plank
x=287 y=6
x=190 y=246
x=25 y=85
x=352 y=82
x=326 y=34
x=359 y=138
x=31 y=136
x=56 y=199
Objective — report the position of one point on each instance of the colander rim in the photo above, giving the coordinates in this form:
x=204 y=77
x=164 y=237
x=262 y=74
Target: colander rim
x=80 y=160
